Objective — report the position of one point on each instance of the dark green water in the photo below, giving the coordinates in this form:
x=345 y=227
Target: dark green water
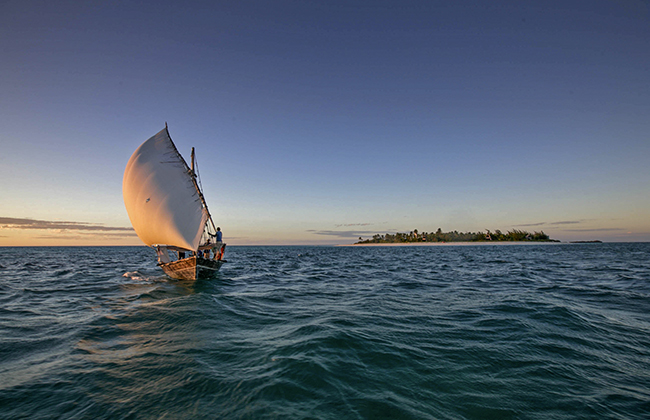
x=453 y=332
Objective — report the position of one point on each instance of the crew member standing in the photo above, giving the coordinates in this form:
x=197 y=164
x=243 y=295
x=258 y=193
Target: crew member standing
x=219 y=245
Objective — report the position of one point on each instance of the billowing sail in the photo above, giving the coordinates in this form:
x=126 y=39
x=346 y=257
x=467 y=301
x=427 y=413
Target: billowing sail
x=161 y=197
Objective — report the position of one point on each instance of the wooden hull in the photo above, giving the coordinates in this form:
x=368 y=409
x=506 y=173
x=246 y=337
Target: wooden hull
x=192 y=268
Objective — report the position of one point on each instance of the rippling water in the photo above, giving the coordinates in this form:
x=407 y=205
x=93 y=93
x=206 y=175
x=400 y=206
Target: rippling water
x=450 y=332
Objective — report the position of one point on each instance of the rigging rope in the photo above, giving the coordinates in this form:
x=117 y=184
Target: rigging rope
x=198 y=176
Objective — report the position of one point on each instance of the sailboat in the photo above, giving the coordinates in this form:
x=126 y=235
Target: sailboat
x=168 y=210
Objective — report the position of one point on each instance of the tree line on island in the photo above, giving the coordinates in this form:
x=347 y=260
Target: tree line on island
x=455 y=236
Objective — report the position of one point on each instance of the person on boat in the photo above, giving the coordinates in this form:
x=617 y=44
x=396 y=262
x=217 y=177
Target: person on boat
x=163 y=256
x=218 y=247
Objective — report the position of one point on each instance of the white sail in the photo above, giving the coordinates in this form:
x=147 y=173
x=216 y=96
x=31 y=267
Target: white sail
x=160 y=195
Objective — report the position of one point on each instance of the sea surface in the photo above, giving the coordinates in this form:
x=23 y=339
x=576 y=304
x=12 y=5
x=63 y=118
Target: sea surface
x=446 y=332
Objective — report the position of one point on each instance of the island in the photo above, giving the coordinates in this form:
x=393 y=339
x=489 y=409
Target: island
x=415 y=236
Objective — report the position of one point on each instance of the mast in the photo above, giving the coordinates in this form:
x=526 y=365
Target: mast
x=198 y=190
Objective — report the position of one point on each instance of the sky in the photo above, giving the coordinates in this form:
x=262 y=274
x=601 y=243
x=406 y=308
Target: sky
x=319 y=122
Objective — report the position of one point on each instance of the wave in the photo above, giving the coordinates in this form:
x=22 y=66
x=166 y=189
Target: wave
x=332 y=333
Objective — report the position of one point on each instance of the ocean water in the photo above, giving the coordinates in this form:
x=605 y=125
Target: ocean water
x=447 y=332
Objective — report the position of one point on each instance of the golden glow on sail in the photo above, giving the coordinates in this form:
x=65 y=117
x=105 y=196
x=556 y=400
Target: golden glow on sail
x=160 y=196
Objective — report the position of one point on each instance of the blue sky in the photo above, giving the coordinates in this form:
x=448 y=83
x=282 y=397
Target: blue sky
x=316 y=122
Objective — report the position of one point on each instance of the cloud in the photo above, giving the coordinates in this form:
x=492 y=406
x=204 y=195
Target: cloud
x=563 y=222
x=343 y=233
x=594 y=230
x=346 y=234
x=568 y=222
x=79 y=235
x=17 y=223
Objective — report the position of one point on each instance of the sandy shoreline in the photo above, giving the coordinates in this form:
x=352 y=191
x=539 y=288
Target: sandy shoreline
x=500 y=243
